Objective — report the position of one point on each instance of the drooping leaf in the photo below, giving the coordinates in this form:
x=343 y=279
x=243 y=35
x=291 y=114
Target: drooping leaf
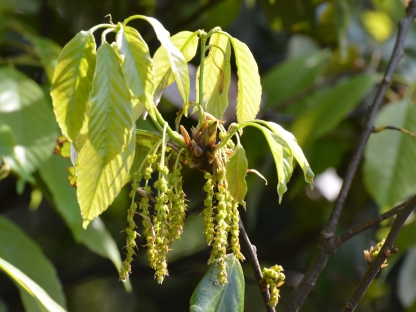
x=236 y=170
x=24 y=108
x=177 y=61
x=389 y=167
x=210 y=296
x=293 y=76
x=186 y=42
x=217 y=76
x=99 y=182
x=110 y=121
x=407 y=279
x=295 y=149
x=249 y=87
x=95 y=237
x=23 y=260
x=72 y=83
x=327 y=107
x=137 y=68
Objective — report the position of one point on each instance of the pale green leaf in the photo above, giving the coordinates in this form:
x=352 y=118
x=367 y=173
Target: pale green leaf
x=390 y=167
x=217 y=76
x=236 y=170
x=293 y=76
x=210 y=296
x=110 y=121
x=23 y=260
x=99 y=182
x=145 y=141
x=295 y=149
x=72 y=83
x=186 y=42
x=24 y=108
x=249 y=87
x=327 y=107
x=137 y=68
x=95 y=237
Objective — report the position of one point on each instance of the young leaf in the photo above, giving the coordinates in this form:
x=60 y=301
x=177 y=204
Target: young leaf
x=145 y=140
x=177 y=61
x=137 y=68
x=236 y=170
x=31 y=270
x=110 y=121
x=249 y=87
x=24 y=108
x=217 y=76
x=389 y=167
x=210 y=296
x=187 y=43
x=72 y=83
x=99 y=182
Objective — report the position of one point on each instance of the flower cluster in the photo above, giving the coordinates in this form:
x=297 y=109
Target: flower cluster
x=273 y=278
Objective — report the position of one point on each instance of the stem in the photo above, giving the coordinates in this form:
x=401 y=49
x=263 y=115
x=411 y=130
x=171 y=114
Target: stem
x=203 y=40
x=252 y=258
x=102 y=26
x=326 y=247
x=372 y=271
x=379 y=129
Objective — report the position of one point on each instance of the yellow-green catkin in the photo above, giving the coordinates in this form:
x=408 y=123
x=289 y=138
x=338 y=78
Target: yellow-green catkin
x=125 y=269
x=233 y=227
x=177 y=199
x=208 y=210
x=274 y=278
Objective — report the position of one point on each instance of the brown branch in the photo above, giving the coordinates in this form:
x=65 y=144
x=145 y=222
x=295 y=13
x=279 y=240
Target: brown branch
x=372 y=271
x=326 y=247
x=252 y=258
x=379 y=129
x=340 y=239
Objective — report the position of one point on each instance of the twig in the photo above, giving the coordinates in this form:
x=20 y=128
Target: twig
x=379 y=129
x=372 y=271
x=340 y=239
x=326 y=248
x=252 y=258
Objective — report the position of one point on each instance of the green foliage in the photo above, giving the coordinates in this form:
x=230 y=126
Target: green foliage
x=211 y=296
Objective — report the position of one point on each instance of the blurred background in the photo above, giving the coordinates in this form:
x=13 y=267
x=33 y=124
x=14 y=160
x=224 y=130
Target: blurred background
x=319 y=61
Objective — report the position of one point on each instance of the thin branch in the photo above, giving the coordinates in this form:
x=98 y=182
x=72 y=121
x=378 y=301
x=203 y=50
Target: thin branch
x=372 y=271
x=340 y=239
x=252 y=258
x=379 y=129
x=326 y=248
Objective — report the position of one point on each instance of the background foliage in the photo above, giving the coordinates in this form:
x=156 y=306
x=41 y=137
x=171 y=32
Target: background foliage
x=319 y=62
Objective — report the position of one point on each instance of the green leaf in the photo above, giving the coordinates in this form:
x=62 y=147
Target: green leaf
x=95 y=237
x=177 y=61
x=22 y=259
x=145 y=141
x=99 y=182
x=407 y=279
x=236 y=170
x=389 y=167
x=249 y=87
x=72 y=83
x=217 y=76
x=137 y=68
x=24 y=108
x=110 y=119
x=295 y=149
x=327 y=107
x=210 y=296
x=293 y=76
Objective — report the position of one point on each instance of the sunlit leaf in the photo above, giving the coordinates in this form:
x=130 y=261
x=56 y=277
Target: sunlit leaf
x=249 y=87
x=99 y=182
x=217 y=76
x=210 y=296
x=31 y=270
x=72 y=83
x=137 y=68
x=24 y=108
x=293 y=76
x=236 y=170
x=178 y=65
x=110 y=119
x=389 y=167
x=327 y=107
